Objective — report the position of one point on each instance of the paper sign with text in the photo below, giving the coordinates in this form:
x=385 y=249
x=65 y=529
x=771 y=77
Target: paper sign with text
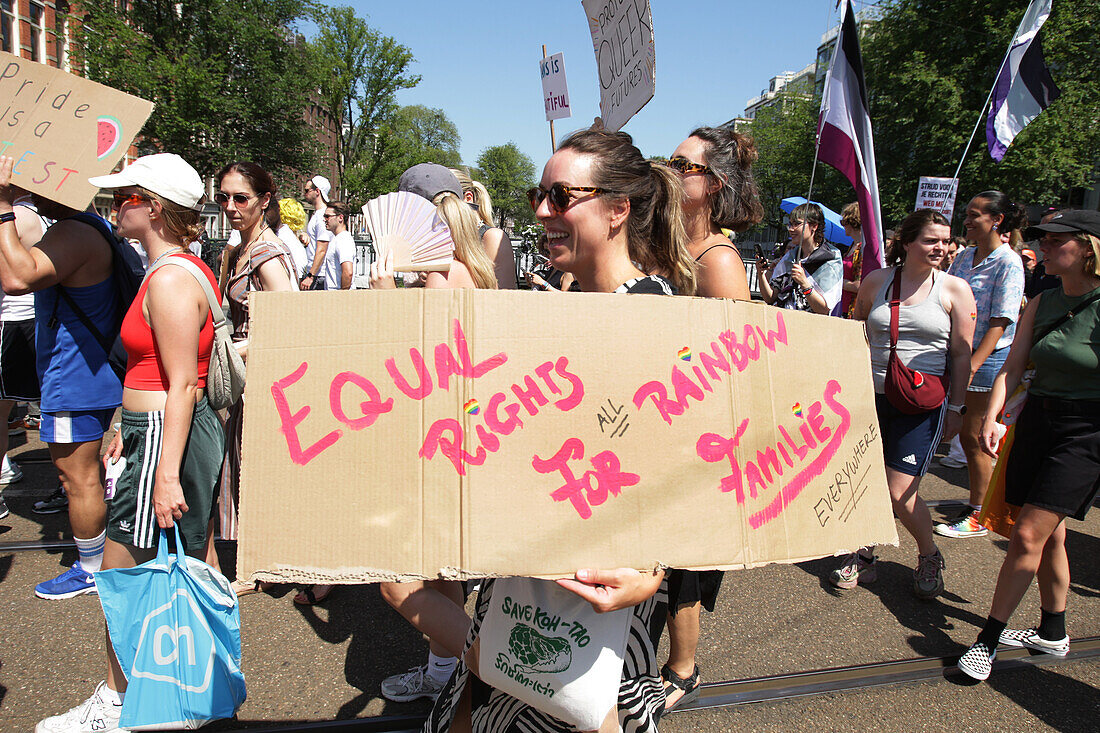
x=425 y=433
x=622 y=37
x=555 y=91
x=938 y=194
x=62 y=129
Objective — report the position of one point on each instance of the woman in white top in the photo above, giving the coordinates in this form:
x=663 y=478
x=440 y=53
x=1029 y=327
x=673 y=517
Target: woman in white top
x=935 y=329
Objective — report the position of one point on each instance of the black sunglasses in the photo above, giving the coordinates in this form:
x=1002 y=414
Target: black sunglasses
x=239 y=199
x=559 y=195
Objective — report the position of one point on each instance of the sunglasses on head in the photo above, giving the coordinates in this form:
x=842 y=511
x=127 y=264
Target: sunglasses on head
x=560 y=195
x=683 y=166
x=239 y=199
x=129 y=198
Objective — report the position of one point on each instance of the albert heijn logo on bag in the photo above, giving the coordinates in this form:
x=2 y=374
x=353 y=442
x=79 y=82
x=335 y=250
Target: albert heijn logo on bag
x=170 y=650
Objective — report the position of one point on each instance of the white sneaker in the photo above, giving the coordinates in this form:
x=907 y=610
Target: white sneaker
x=949 y=462
x=411 y=685
x=1030 y=639
x=977 y=662
x=10 y=473
x=94 y=715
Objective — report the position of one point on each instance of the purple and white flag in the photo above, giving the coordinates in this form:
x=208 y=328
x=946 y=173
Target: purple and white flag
x=1024 y=87
x=844 y=135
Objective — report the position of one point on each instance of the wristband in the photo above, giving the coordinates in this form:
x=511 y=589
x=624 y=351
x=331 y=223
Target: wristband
x=807 y=291
x=7 y=216
x=960 y=409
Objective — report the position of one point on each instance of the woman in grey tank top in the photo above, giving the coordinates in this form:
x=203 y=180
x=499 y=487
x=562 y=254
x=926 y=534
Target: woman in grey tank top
x=935 y=330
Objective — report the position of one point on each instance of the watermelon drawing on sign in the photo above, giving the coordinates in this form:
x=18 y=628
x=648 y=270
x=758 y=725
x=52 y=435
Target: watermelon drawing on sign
x=108 y=135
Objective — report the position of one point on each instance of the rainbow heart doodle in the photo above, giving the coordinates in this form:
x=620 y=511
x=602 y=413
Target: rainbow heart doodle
x=684 y=353
x=472 y=407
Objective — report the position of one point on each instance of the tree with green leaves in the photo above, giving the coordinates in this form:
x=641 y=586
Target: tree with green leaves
x=409 y=135
x=228 y=78
x=507 y=174
x=930 y=65
x=784 y=137
x=359 y=72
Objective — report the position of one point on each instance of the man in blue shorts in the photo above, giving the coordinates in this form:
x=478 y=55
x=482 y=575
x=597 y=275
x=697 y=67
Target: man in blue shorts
x=80 y=391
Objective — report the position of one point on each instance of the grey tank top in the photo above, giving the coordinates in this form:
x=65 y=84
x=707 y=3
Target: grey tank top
x=924 y=333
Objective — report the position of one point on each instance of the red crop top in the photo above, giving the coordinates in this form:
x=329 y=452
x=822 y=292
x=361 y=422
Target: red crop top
x=143 y=368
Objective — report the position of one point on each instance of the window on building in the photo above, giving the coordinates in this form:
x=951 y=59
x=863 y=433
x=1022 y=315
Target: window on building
x=8 y=28
x=38 y=32
x=62 y=37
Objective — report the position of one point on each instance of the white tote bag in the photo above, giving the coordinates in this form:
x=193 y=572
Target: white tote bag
x=547 y=647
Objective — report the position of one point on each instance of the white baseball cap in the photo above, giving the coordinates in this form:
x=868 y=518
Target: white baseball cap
x=165 y=174
x=321 y=184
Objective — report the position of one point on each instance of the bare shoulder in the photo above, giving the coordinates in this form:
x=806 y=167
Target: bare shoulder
x=877 y=277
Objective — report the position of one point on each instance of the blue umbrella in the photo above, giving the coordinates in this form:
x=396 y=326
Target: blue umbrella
x=834 y=230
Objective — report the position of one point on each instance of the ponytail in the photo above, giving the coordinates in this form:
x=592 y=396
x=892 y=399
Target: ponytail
x=668 y=237
x=997 y=204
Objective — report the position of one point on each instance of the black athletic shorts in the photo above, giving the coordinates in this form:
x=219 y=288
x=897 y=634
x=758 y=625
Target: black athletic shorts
x=1055 y=459
x=18 y=372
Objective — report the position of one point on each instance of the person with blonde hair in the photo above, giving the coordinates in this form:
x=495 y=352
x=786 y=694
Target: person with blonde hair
x=495 y=241
x=435 y=607
x=293 y=232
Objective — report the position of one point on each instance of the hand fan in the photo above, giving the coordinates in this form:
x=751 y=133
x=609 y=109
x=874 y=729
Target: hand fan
x=410 y=227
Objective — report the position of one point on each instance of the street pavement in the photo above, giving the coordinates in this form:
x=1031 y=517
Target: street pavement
x=325 y=663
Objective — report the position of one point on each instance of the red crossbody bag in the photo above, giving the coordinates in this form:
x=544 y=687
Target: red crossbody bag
x=908 y=390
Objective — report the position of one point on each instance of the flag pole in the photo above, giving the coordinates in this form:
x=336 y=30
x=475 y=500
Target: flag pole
x=981 y=116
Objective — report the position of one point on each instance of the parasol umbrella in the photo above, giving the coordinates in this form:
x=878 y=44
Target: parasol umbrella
x=834 y=230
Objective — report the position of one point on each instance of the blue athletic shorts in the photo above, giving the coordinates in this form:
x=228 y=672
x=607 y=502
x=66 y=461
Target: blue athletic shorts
x=75 y=427
x=909 y=441
x=982 y=381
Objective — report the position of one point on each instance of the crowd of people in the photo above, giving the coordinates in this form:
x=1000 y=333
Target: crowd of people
x=950 y=309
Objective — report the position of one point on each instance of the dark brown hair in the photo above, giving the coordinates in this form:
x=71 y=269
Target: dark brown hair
x=810 y=213
x=340 y=208
x=656 y=238
x=730 y=155
x=261 y=182
x=908 y=231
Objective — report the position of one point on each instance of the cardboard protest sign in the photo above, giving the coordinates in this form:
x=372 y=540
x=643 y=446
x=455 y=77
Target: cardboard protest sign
x=424 y=433
x=938 y=194
x=622 y=37
x=555 y=91
x=62 y=129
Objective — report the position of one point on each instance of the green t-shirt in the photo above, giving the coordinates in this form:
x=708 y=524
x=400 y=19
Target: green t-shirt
x=1067 y=361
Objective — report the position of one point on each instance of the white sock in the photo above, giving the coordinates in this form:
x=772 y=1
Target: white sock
x=7 y=463
x=109 y=696
x=440 y=668
x=91 y=551
x=974 y=508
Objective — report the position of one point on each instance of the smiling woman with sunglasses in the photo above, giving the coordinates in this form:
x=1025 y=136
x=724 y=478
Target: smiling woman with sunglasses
x=261 y=262
x=607 y=212
x=714 y=164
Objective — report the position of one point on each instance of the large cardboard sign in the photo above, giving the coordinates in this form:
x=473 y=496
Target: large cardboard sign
x=555 y=90
x=62 y=129
x=622 y=37
x=451 y=433
x=938 y=194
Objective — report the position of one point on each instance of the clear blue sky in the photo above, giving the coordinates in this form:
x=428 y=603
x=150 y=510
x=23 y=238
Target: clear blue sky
x=479 y=63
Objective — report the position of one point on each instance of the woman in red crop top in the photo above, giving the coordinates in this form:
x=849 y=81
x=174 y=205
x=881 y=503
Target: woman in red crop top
x=166 y=457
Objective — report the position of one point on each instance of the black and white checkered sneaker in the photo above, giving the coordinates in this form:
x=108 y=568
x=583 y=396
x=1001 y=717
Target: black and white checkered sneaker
x=977 y=662
x=1030 y=639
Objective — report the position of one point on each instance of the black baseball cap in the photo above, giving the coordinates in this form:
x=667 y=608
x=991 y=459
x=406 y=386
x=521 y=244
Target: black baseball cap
x=1071 y=220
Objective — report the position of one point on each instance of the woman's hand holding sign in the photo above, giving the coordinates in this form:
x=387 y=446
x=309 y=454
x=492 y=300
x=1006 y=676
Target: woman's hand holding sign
x=611 y=590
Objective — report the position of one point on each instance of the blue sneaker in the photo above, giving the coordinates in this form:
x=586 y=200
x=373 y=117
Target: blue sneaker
x=75 y=581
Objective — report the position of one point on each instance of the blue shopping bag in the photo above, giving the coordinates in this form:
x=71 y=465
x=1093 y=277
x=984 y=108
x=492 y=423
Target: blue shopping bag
x=176 y=630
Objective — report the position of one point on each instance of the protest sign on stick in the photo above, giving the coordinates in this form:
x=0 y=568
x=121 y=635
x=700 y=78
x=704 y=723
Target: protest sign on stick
x=622 y=38
x=62 y=129
x=938 y=194
x=555 y=91
x=457 y=433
